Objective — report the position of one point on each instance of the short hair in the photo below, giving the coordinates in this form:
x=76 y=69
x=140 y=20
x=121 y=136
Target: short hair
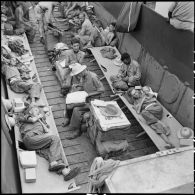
x=125 y=56
x=113 y=24
x=82 y=14
x=75 y=40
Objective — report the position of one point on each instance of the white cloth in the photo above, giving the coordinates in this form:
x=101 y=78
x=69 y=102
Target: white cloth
x=76 y=97
x=108 y=123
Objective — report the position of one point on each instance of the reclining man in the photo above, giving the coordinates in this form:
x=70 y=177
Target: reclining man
x=74 y=8
x=145 y=103
x=83 y=80
x=129 y=74
x=101 y=37
x=35 y=134
x=23 y=23
x=17 y=83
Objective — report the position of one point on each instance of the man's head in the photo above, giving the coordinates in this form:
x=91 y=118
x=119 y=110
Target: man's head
x=82 y=17
x=78 y=70
x=135 y=93
x=75 y=45
x=146 y=89
x=125 y=58
x=112 y=26
x=18 y=3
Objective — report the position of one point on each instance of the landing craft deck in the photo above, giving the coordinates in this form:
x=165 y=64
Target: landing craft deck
x=80 y=152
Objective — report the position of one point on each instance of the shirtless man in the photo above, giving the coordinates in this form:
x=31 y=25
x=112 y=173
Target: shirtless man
x=23 y=23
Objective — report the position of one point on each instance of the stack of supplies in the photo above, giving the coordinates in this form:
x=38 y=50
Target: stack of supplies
x=107 y=126
x=28 y=161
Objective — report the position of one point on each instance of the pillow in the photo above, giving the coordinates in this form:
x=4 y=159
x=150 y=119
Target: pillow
x=76 y=97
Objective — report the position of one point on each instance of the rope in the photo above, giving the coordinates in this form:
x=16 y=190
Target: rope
x=130 y=16
x=99 y=171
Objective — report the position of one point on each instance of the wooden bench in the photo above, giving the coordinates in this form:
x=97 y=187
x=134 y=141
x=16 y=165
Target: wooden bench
x=106 y=65
x=46 y=182
x=168 y=119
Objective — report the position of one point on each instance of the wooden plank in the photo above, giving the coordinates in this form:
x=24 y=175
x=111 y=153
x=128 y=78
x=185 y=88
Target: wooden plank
x=55 y=101
x=52 y=89
x=59 y=121
x=38 y=52
x=69 y=143
x=50 y=83
x=57 y=107
x=48 y=78
x=74 y=150
x=43 y=69
x=84 y=166
x=53 y=94
x=107 y=63
x=40 y=56
x=82 y=178
x=42 y=60
x=58 y=114
x=46 y=73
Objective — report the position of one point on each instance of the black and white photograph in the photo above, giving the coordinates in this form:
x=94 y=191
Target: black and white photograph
x=97 y=97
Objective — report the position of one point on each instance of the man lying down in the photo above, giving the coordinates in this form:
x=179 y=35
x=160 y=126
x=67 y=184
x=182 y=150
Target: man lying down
x=145 y=103
x=36 y=136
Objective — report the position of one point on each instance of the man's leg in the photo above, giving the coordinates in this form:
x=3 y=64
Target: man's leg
x=48 y=146
x=75 y=122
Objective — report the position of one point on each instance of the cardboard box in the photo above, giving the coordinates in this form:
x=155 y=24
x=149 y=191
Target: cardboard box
x=30 y=175
x=28 y=159
x=18 y=105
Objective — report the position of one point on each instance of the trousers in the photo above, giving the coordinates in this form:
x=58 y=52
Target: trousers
x=46 y=145
x=77 y=116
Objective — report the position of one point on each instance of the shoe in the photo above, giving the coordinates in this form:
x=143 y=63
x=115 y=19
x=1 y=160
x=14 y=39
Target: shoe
x=42 y=40
x=66 y=122
x=56 y=167
x=73 y=173
x=73 y=134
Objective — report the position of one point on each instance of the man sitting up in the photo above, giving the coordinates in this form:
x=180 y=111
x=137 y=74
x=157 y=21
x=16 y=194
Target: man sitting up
x=74 y=55
x=23 y=23
x=86 y=29
x=181 y=15
x=145 y=103
x=35 y=134
x=100 y=37
x=129 y=74
x=83 y=80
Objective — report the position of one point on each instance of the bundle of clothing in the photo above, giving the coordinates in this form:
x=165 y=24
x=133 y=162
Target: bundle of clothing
x=17 y=47
x=55 y=53
x=108 y=52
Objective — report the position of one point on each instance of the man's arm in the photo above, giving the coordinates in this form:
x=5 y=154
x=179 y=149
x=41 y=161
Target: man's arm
x=20 y=17
x=171 y=8
x=83 y=29
x=71 y=8
x=137 y=74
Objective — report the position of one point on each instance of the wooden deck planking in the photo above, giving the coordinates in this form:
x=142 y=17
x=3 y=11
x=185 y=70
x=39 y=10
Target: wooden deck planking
x=80 y=152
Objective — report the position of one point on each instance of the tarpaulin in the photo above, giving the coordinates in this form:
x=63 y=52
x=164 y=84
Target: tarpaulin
x=128 y=17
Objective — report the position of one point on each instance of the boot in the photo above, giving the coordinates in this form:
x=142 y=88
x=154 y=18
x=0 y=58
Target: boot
x=72 y=173
x=66 y=122
x=73 y=134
